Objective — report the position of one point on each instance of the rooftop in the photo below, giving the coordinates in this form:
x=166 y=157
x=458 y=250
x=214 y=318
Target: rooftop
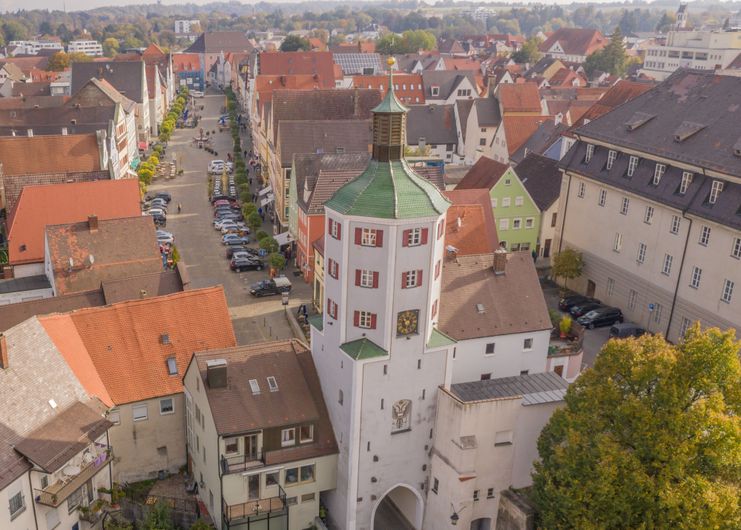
x=319 y=176
x=519 y=97
x=220 y=41
x=541 y=178
x=575 y=41
x=484 y=174
x=435 y=123
x=362 y=349
x=317 y=64
x=473 y=207
x=127 y=77
x=322 y=136
x=534 y=389
x=58 y=153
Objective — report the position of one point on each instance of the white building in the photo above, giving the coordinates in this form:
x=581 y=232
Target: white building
x=187 y=27
x=89 y=47
x=32 y=47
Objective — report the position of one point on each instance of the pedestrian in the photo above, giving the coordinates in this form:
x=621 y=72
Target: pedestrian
x=180 y=207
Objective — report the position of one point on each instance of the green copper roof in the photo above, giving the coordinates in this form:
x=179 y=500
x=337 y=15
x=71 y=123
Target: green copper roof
x=438 y=339
x=390 y=103
x=363 y=349
x=317 y=321
x=389 y=190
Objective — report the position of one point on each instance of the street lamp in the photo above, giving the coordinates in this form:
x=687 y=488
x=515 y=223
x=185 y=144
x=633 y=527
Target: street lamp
x=454 y=517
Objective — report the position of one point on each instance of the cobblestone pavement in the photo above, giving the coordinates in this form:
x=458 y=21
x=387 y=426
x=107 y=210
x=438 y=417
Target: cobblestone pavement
x=254 y=319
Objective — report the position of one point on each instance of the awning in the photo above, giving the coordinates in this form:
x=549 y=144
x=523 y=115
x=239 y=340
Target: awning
x=284 y=238
x=265 y=202
x=265 y=190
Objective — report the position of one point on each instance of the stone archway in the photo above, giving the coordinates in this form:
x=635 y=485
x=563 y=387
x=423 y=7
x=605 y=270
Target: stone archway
x=401 y=507
x=483 y=523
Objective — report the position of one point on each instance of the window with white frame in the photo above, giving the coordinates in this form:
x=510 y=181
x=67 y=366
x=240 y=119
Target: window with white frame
x=139 y=412
x=411 y=279
x=617 y=243
x=736 y=248
x=490 y=348
x=648 y=216
x=686 y=323
x=366 y=278
x=686 y=181
x=582 y=190
x=696 y=277
x=74 y=500
x=504 y=224
x=365 y=318
x=516 y=223
x=506 y=201
x=674 y=228
x=590 y=152
x=641 y=257
x=704 y=236
x=727 y=293
x=632 y=165
x=493 y=202
x=519 y=200
x=658 y=312
x=659 y=171
x=306 y=434
x=288 y=437
x=507 y=182
x=666 y=267
x=172 y=366
x=272 y=383
x=610 y=286
x=503 y=438
x=715 y=190
x=16 y=503
x=368 y=237
x=624 y=206
x=167 y=406
x=611 y=156
x=334 y=229
x=529 y=222
x=632 y=299
x=414 y=237
x=602 y=197
x=435 y=485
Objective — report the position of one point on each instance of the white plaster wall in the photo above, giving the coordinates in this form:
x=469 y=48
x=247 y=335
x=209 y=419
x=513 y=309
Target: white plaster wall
x=24 y=296
x=532 y=419
x=24 y=520
x=28 y=269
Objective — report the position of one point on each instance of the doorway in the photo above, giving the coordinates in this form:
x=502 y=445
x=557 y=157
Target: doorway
x=250 y=447
x=400 y=508
x=547 y=248
x=591 y=288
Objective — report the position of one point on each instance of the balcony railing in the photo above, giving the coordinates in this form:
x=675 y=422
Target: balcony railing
x=55 y=494
x=238 y=463
x=256 y=509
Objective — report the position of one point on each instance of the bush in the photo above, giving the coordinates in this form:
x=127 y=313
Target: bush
x=248 y=208
x=276 y=260
x=261 y=234
x=269 y=244
x=254 y=221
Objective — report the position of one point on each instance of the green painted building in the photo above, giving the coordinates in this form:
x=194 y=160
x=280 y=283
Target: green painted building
x=516 y=215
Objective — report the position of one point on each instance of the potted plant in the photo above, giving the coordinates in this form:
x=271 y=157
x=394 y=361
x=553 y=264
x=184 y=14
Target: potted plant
x=565 y=326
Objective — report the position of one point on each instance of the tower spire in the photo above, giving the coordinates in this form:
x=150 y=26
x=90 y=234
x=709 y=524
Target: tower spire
x=389 y=124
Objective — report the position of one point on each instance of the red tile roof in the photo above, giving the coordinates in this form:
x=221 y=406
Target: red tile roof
x=522 y=97
x=575 y=41
x=620 y=93
x=73 y=153
x=265 y=85
x=462 y=63
x=39 y=206
x=185 y=62
x=517 y=129
x=128 y=344
x=407 y=87
x=320 y=64
x=484 y=174
x=473 y=207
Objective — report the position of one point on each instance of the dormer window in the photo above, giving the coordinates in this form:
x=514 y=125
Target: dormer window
x=686 y=181
x=658 y=173
x=715 y=190
x=306 y=434
x=632 y=165
x=590 y=152
x=435 y=91
x=611 y=156
x=172 y=366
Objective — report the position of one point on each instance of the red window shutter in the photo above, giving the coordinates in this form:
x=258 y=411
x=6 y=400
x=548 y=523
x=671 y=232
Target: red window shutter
x=329 y=307
x=434 y=309
x=358 y=235
x=334 y=310
x=339 y=230
x=375 y=280
x=419 y=277
x=403 y=280
x=424 y=236
x=356 y=318
x=373 y=321
x=336 y=269
x=437 y=269
x=405 y=238
x=357 y=277
x=379 y=238
x=440 y=229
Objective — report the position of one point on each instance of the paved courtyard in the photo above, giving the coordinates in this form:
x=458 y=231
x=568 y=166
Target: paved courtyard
x=254 y=319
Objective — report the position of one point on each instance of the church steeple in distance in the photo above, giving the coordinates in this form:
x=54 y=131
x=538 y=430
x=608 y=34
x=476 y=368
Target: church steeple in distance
x=389 y=124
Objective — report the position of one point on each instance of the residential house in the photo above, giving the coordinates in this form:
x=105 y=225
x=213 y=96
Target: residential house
x=478 y=122
x=470 y=227
x=132 y=356
x=544 y=68
x=517 y=215
x=451 y=47
x=542 y=180
x=573 y=44
x=51 y=204
x=54 y=448
x=448 y=86
x=82 y=256
x=650 y=197
x=485 y=443
x=89 y=47
x=352 y=64
x=187 y=69
x=547 y=140
x=127 y=77
x=408 y=87
x=431 y=131
x=317 y=299
x=211 y=44
x=260 y=443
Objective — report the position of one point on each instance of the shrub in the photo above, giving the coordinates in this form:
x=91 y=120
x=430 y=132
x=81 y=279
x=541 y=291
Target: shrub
x=269 y=244
x=277 y=260
x=261 y=234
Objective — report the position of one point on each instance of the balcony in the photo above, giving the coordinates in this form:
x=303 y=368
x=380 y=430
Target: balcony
x=256 y=510
x=55 y=494
x=242 y=462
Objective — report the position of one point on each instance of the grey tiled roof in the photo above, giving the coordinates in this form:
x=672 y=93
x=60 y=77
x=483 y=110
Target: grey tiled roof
x=533 y=388
x=322 y=136
x=447 y=80
x=435 y=123
x=487 y=112
x=220 y=41
x=126 y=76
x=542 y=179
x=26 y=283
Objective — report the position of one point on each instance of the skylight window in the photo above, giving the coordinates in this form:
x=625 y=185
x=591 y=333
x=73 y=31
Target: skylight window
x=172 y=366
x=272 y=384
x=254 y=386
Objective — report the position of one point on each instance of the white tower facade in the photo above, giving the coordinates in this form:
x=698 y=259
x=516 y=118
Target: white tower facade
x=379 y=358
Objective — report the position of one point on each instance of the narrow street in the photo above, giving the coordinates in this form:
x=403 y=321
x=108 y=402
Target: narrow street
x=199 y=244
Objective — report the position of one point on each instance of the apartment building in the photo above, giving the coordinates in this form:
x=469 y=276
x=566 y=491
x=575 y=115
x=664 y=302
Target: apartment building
x=89 y=47
x=700 y=50
x=260 y=444
x=650 y=196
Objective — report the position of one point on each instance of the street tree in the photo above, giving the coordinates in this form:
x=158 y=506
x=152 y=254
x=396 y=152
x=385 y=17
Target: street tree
x=650 y=437
x=269 y=244
x=254 y=221
x=529 y=53
x=568 y=265
x=294 y=43
x=110 y=47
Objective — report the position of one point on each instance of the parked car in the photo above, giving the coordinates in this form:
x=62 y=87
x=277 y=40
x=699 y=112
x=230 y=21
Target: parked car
x=220 y=221
x=164 y=195
x=196 y=93
x=239 y=249
x=165 y=237
x=602 y=316
x=583 y=309
x=156 y=211
x=241 y=264
x=159 y=220
x=272 y=287
x=234 y=237
x=626 y=329
x=566 y=303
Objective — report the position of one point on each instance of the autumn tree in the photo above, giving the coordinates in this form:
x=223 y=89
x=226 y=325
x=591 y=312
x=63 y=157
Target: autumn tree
x=110 y=47
x=411 y=41
x=568 y=265
x=650 y=437
x=530 y=53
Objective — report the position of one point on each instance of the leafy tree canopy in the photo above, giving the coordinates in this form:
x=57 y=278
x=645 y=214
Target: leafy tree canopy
x=650 y=438
x=612 y=58
x=529 y=52
x=294 y=43
x=568 y=264
x=411 y=41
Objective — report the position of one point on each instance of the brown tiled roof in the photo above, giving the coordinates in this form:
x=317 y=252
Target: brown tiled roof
x=291 y=63
x=220 y=41
x=39 y=206
x=484 y=174
x=58 y=153
x=185 y=62
x=26 y=64
x=53 y=444
x=126 y=77
x=235 y=409
x=145 y=285
x=320 y=176
x=42 y=88
x=13 y=314
x=322 y=136
x=517 y=129
x=520 y=97
x=476 y=233
x=13 y=184
x=512 y=302
x=407 y=87
x=265 y=85
x=120 y=248
x=575 y=41
x=29 y=102
x=129 y=343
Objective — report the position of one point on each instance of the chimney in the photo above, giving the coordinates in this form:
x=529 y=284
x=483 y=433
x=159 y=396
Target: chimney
x=500 y=261
x=3 y=352
x=216 y=373
x=92 y=223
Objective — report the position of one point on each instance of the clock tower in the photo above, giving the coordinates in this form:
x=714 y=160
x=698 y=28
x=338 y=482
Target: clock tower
x=379 y=357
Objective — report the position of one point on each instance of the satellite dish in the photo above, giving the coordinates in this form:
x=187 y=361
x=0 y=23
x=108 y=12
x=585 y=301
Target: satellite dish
x=91 y=260
x=71 y=263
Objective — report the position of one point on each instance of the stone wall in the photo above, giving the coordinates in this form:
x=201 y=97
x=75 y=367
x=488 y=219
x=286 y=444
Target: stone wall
x=516 y=512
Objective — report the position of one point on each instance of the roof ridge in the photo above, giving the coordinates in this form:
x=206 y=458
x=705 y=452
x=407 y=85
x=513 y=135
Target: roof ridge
x=152 y=300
